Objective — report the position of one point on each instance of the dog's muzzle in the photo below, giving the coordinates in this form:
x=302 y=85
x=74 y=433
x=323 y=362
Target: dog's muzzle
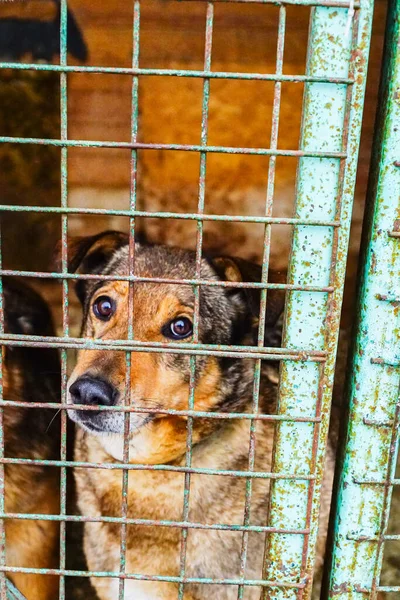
x=89 y=390
x=93 y=391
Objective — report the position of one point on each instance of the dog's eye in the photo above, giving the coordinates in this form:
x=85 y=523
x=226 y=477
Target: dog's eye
x=178 y=328
x=104 y=308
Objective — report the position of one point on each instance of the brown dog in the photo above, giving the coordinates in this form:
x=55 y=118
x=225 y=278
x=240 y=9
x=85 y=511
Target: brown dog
x=164 y=313
x=30 y=375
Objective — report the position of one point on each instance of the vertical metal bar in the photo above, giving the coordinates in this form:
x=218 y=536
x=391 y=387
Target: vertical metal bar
x=65 y=283
x=307 y=565
x=370 y=445
x=388 y=491
x=199 y=244
x=324 y=189
x=3 y=559
x=132 y=206
x=263 y=296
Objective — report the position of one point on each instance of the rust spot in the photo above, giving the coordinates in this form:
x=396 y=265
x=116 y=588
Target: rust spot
x=373 y=263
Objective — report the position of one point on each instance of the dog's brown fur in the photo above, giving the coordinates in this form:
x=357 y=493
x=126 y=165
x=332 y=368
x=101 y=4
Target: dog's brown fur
x=30 y=374
x=161 y=381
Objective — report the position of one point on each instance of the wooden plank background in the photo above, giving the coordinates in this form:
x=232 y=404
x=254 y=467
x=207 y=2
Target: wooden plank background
x=172 y=36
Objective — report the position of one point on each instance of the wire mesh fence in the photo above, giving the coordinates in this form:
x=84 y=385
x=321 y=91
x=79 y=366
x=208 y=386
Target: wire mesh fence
x=334 y=85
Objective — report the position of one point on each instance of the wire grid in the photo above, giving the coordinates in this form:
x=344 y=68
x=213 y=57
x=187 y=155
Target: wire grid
x=344 y=77
x=370 y=451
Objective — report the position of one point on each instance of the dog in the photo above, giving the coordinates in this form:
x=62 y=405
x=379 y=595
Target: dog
x=163 y=312
x=30 y=375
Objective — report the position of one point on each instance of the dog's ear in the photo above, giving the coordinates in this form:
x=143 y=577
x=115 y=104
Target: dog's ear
x=90 y=254
x=240 y=270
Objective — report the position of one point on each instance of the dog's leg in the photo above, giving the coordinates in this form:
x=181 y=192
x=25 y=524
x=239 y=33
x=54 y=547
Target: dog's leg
x=33 y=544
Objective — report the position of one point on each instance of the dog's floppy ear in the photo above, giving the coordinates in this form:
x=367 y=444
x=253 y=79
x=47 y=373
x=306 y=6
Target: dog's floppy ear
x=240 y=270
x=90 y=254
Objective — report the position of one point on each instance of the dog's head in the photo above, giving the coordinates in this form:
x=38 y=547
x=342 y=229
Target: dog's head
x=164 y=313
x=29 y=374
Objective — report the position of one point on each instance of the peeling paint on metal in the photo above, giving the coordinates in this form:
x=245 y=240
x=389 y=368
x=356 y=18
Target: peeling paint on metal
x=331 y=123
x=367 y=476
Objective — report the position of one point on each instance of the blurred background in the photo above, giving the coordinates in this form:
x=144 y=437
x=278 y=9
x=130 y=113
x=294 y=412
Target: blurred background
x=172 y=35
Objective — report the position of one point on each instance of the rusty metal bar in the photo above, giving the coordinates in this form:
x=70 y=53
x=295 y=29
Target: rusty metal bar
x=173 y=73
x=165 y=215
x=132 y=208
x=65 y=283
x=166 y=411
x=199 y=250
x=263 y=296
x=3 y=558
x=325 y=189
x=161 y=578
x=147 y=523
x=332 y=3
x=370 y=447
x=172 y=348
x=175 y=469
x=197 y=282
x=176 y=147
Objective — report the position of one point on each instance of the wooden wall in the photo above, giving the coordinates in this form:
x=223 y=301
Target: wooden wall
x=172 y=36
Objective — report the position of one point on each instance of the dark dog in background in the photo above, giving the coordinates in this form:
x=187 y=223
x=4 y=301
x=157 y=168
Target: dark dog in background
x=30 y=375
x=164 y=313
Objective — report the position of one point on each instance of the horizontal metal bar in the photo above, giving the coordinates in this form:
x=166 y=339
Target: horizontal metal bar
x=114 y=466
x=337 y=3
x=162 y=411
x=166 y=215
x=152 y=523
x=383 y=482
x=174 y=73
x=177 y=147
x=164 y=578
x=389 y=297
x=351 y=589
x=377 y=422
x=198 y=282
x=374 y=538
x=379 y=588
x=389 y=361
x=166 y=346
x=239 y=352
x=394 y=234
x=388 y=588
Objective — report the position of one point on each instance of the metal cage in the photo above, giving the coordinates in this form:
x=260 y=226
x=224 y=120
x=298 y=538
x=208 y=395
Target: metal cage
x=334 y=84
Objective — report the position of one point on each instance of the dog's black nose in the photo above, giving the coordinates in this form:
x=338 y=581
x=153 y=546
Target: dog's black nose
x=94 y=391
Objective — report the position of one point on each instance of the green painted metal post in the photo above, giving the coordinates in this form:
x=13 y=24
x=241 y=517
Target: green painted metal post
x=337 y=48
x=334 y=93
x=369 y=461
